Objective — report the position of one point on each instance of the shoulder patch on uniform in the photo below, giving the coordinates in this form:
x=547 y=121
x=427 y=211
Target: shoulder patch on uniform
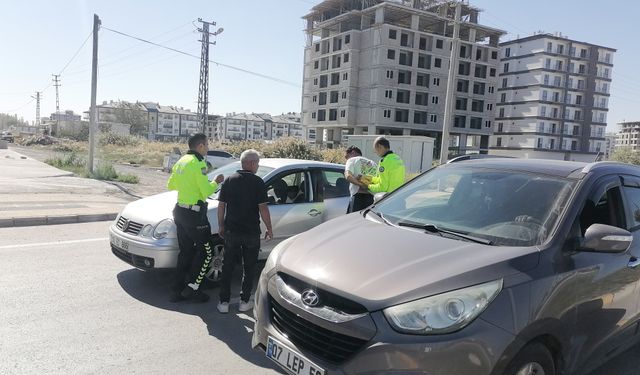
x=381 y=169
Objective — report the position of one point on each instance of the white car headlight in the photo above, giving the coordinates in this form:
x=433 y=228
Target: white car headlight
x=275 y=253
x=443 y=313
x=147 y=231
x=164 y=229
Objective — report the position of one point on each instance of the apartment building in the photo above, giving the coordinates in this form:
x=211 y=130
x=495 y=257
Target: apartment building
x=259 y=126
x=381 y=67
x=629 y=135
x=609 y=144
x=553 y=98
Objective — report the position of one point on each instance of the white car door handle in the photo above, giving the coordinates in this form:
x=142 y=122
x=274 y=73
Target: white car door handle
x=314 y=212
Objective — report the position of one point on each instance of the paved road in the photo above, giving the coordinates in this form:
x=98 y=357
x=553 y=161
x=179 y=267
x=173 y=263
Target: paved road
x=72 y=307
x=69 y=306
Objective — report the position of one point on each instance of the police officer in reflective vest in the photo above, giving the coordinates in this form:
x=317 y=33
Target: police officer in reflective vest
x=391 y=173
x=189 y=178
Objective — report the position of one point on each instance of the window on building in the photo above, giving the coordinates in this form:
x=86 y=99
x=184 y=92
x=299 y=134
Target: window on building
x=391 y=54
x=386 y=113
x=345 y=58
x=347 y=39
x=343 y=113
x=582 y=69
x=549 y=47
x=388 y=94
x=437 y=62
x=404 y=77
x=424 y=61
x=345 y=76
x=492 y=72
x=422 y=98
x=543 y=111
x=557 y=81
x=317 y=47
x=433 y=118
x=491 y=89
x=479 y=88
x=487 y=124
x=434 y=100
x=583 y=53
x=344 y=95
x=506 y=68
x=464 y=68
x=461 y=104
x=462 y=85
x=503 y=97
x=578 y=99
x=507 y=52
x=393 y=34
x=402 y=115
x=315 y=98
x=389 y=74
x=475 y=123
x=333 y=114
x=422 y=80
x=335 y=61
x=460 y=121
x=323 y=98
x=545 y=95
x=322 y=115
x=489 y=107
x=333 y=97
x=499 y=142
x=313 y=115
x=501 y=113
x=335 y=78
x=315 y=81
x=404 y=40
x=539 y=144
x=323 y=80
x=480 y=71
x=477 y=105
x=439 y=43
x=420 y=117
x=560 y=49
x=406 y=58
x=423 y=43
x=436 y=81
x=402 y=96
x=494 y=55
x=316 y=64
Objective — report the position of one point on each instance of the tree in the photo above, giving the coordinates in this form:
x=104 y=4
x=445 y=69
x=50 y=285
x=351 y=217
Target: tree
x=127 y=113
x=625 y=155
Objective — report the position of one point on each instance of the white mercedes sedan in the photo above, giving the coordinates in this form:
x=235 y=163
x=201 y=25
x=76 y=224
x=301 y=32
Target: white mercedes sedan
x=302 y=194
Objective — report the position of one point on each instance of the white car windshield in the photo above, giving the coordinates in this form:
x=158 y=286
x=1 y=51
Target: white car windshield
x=502 y=208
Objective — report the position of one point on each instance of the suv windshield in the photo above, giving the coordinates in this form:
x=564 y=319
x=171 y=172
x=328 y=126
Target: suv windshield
x=504 y=207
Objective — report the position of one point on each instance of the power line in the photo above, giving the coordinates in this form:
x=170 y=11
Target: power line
x=77 y=52
x=275 y=79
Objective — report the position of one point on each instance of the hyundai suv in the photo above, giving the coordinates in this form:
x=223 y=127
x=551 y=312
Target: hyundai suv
x=492 y=266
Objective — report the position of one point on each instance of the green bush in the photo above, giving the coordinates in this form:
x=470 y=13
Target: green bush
x=105 y=171
x=128 y=178
x=334 y=155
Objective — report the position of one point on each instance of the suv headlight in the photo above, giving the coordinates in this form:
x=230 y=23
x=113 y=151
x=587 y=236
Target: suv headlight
x=275 y=253
x=443 y=313
x=164 y=229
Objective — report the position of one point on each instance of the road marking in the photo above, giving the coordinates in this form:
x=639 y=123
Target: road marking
x=54 y=243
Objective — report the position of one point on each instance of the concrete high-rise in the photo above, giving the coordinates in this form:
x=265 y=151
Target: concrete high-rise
x=553 y=98
x=382 y=67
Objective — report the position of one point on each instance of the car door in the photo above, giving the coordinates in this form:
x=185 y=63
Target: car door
x=606 y=298
x=292 y=206
x=332 y=189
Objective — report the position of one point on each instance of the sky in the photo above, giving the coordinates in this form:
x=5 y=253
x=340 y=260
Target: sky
x=38 y=38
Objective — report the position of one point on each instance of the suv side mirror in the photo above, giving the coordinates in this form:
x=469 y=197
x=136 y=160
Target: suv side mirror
x=603 y=238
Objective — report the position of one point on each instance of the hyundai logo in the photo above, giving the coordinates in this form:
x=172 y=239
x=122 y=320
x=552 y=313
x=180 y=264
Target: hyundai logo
x=310 y=298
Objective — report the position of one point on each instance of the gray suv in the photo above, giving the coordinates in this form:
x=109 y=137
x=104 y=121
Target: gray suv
x=493 y=266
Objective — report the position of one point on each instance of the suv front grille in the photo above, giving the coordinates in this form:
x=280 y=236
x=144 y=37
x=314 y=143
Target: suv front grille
x=329 y=345
x=128 y=226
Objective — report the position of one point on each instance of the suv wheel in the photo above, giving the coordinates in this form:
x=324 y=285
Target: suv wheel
x=534 y=359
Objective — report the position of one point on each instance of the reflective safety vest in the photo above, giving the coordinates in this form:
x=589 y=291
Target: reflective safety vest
x=189 y=178
x=391 y=174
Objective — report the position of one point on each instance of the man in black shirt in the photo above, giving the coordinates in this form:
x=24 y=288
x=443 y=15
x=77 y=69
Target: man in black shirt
x=243 y=200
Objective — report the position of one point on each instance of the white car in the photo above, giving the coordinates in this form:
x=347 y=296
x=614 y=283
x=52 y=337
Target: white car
x=219 y=158
x=302 y=194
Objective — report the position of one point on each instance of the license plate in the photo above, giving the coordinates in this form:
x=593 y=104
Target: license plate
x=293 y=362
x=119 y=243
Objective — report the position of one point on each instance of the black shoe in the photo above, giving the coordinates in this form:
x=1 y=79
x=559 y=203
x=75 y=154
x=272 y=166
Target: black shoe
x=200 y=297
x=194 y=295
x=176 y=297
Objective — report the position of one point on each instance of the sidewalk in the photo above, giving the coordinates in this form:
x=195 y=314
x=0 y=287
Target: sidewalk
x=34 y=193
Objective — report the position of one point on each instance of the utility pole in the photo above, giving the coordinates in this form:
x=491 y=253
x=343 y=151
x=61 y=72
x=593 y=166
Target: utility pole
x=93 y=112
x=451 y=84
x=37 y=98
x=203 y=87
x=56 y=83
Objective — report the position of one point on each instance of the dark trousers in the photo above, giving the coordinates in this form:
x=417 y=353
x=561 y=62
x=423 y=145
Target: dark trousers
x=359 y=201
x=239 y=246
x=194 y=234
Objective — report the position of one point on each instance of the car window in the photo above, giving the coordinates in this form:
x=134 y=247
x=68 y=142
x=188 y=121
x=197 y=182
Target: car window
x=604 y=206
x=631 y=189
x=507 y=208
x=289 y=188
x=219 y=153
x=334 y=184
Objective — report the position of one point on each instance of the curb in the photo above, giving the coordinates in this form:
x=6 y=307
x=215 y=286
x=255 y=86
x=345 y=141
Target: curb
x=55 y=220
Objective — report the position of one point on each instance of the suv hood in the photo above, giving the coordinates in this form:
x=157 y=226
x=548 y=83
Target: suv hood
x=379 y=265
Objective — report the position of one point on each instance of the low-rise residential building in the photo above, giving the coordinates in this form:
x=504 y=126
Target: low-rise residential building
x=609 y=144
x=629 y=135
x=259 y=126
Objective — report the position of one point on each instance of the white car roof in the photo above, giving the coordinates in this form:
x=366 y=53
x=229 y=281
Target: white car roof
x=279 y=163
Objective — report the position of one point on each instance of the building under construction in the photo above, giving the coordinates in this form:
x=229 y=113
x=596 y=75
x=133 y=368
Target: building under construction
x=382 y=67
